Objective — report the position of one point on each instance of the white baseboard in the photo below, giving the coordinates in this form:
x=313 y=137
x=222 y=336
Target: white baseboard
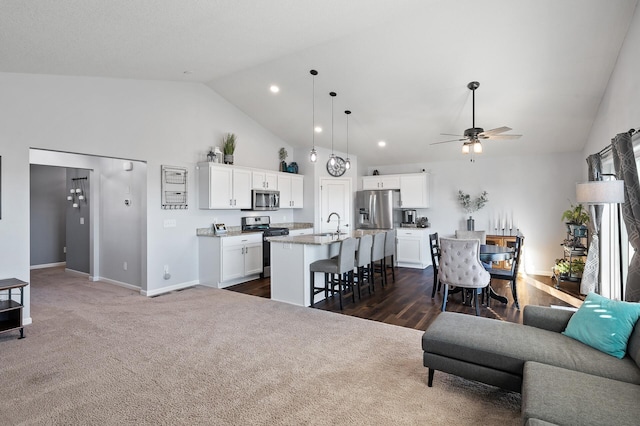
x=48 y=265
x=73 y=271
x=118 y=283
x=168 y=289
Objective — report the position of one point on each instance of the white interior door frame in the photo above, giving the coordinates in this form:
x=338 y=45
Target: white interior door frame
x=336 y=195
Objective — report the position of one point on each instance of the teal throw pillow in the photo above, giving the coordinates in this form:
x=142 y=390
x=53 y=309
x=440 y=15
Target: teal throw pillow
x=604 y=324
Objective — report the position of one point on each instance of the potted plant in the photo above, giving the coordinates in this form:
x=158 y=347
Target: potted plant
x=282 y=154
x=566 y=269
x=228 y=147
x=576 y=218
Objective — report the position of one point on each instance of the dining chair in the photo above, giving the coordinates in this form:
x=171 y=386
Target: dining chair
x=510 y=275
x=470 y=235
x=377 y=255
x=363 y=263
x=339 y=268
x=460 y=266
x=390 y=252
x=435 y=261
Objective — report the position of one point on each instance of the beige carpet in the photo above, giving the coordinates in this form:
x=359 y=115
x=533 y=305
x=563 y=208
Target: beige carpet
x=101 y=354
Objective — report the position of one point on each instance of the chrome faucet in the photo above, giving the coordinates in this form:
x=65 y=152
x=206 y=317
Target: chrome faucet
x=329 y=220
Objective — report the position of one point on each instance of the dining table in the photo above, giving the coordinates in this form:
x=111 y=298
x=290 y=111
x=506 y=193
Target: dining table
x=493 y=253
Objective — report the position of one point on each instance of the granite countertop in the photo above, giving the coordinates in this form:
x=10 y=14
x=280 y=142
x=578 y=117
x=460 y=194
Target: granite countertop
x=234 y=231
x=320 y=239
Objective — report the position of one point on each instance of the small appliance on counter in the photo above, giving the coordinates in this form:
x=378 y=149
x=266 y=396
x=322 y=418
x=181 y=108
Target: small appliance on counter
x=408 y=218
x=422 y=222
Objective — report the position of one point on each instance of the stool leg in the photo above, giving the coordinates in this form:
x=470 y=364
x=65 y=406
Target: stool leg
x=393 y=268
x=313 y=287
x=340 y=289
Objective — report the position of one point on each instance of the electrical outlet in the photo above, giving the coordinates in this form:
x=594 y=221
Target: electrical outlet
x=82 y=221
x=125 y=266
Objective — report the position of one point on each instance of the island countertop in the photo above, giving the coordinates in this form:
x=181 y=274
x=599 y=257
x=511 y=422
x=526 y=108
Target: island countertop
x=323 y=238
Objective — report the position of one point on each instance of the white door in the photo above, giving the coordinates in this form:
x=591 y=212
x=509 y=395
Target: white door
x=297 y=192
x=253 y=258
x=241 y=189
x=232 y=262
x=220 y=187
x=335 y=196
x=284 y=186
x=409 y=250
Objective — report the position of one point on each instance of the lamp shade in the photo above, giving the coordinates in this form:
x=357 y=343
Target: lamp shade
x=600 y=192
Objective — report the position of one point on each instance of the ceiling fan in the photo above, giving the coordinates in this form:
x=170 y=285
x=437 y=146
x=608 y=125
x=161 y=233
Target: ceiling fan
x=474 y=135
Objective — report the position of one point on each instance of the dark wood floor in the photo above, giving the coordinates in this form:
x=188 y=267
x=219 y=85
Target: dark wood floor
x=408 y=302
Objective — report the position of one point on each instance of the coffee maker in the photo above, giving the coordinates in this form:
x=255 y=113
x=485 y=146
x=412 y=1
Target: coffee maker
x=409 y=217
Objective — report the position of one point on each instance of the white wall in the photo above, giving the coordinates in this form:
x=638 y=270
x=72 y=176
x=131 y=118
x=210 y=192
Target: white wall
x=534 y=190
x=153 y=121
x=619 y=109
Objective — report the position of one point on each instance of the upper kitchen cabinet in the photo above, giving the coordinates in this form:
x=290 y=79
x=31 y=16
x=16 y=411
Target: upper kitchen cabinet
x=291 y=187
x=263 y=179
x=414 y=191
x=224 y=187
x=381 y=182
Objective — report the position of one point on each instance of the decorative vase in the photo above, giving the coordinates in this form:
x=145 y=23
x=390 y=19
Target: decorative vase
x=470 y=224
x=228 y=159
x=283 y=166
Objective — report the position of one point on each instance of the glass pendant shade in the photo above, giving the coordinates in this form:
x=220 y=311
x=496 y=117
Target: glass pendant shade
x=332 y=159
x=313 y=155
x=477 y=147
x=465 y=148
x=347 y=163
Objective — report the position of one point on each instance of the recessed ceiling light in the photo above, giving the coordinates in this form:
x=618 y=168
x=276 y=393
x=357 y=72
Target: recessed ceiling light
x=318 y=129
x=274 y=88
x=382 y=143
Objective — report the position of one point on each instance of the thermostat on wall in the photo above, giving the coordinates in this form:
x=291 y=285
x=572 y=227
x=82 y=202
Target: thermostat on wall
x=219 y=228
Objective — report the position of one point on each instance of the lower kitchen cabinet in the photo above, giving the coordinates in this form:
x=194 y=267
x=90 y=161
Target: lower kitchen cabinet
x=412 y=250
x=230 y=260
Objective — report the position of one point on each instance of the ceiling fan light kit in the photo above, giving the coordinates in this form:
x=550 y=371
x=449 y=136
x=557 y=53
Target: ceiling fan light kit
x=473 y=135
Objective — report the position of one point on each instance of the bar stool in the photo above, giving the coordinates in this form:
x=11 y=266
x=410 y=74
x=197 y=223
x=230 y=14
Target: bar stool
x=390 y=252
x=377 y=255
x=363 y=263
x=342 y=266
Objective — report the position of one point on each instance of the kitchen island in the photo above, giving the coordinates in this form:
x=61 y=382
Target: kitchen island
x=290 y=260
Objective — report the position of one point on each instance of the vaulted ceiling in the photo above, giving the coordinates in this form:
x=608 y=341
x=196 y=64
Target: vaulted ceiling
x=400 y=66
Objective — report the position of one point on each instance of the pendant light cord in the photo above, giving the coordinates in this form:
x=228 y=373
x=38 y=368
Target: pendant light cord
x=333 y=95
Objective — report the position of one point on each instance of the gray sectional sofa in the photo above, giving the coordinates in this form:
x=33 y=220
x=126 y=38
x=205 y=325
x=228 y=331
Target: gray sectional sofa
x=562 y=381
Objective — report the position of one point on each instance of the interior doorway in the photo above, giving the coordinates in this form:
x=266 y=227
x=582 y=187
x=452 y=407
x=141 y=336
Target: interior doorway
x=335 y=196
x=113 y=213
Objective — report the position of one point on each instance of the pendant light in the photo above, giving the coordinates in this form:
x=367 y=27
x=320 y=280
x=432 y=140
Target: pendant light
x=313 y=155
x=347 y=162
x=332 y=157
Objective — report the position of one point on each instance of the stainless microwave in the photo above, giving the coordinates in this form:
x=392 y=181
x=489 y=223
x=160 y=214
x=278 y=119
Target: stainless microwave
x=263 y=199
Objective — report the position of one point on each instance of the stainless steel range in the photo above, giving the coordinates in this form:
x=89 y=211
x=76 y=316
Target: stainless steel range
x=263 y=223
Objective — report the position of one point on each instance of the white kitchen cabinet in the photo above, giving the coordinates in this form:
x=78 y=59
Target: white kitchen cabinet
x=222 y=186
x=264 y=179
x=412 y=249
x=230 y=260
x=291 y=187
x=381 y=182
x=414 y=191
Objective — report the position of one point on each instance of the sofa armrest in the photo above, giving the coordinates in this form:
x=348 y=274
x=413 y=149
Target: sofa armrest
x=546 y=318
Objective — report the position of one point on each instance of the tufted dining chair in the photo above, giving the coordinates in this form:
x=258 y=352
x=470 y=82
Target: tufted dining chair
x=460 y=266
x=470 y=235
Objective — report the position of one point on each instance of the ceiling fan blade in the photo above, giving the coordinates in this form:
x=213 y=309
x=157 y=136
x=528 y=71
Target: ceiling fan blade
x=452 y=140
x=502 y=137
x=497 y=130
x=451 y=134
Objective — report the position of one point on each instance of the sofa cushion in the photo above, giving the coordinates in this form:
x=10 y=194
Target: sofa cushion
x=633 y=348
x=506 y=346
x=566 y=397
x=604 y=324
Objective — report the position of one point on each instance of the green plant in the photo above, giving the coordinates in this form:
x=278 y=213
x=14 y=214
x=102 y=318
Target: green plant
x=229 y=144
x=282 y=153
x=576 y=215
x=564 y=267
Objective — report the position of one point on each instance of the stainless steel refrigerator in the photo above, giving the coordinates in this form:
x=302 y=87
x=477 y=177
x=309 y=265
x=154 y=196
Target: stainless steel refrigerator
x=378 y=209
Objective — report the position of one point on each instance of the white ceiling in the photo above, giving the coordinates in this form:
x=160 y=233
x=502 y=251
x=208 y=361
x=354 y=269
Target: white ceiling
x=401 y=66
